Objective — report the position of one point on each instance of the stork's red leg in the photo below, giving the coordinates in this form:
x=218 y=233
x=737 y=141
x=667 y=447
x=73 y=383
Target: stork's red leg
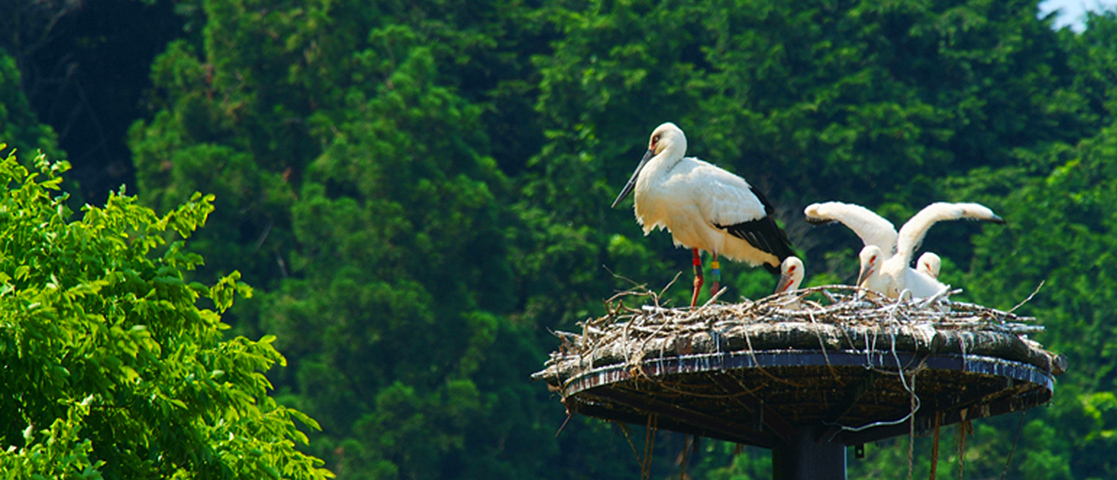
x=715 y=269
x=698 y=280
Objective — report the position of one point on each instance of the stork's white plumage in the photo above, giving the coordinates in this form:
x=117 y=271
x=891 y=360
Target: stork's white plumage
x=872 y=228
x=897 y=270
x=929 y=263
x=791 y=275
x=703 y=206
x=894 y=251
x=869 y=277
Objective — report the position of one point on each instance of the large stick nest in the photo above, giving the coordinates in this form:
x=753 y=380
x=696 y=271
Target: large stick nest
x=841 y=318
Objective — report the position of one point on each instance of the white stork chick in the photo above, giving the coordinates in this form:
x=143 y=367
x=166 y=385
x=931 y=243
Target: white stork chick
x=876 y=231
x=872 y=259
x=791 y=275
x=929 y=263
x=703 y=206
x=897 y=270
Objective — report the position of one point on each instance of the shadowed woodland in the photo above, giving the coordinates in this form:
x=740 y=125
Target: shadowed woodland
x=418 y=195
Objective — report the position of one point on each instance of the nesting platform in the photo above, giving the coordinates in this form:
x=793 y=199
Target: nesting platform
x=842 y=364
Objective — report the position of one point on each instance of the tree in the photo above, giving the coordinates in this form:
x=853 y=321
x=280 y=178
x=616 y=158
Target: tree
x=1070 y=191
x=84 y=69
x=360 y=189
x=854 y=101
x=111 y=369
x=421 y=190
x=17 y=121
x=1060 y=201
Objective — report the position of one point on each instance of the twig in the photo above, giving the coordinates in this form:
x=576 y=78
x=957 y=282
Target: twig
x=1019 y=428
x=672 y=282
x=1034 y=292
x=713 y=298
x=564 y=422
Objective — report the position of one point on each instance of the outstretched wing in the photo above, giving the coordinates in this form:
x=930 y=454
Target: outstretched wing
x=870 y=227
x=913 y=231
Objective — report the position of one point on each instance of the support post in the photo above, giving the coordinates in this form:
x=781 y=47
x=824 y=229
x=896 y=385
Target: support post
x=808 y=455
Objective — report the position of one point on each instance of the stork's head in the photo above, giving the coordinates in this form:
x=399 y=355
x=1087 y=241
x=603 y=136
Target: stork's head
x=667 y=140
x=666 y=136
x=791 y=275
x=930 y=264
x=871 y=261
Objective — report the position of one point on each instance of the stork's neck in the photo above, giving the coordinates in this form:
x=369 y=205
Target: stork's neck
x=662 y=163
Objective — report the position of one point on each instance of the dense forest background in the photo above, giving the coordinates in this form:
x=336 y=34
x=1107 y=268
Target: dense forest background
x=418 y=192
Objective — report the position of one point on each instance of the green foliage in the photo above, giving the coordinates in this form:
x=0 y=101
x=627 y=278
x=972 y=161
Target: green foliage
x=812 y=101
x=111 y=368
x=421 y=191
x=384 y=236
x=1094 y=61
x=18 y=124
x=860 y=91
x=1074 y=200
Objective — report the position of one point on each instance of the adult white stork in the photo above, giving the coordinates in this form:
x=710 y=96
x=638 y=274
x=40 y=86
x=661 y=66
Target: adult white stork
x=704 y=207
x=880 y=268
x=791 y=275
x=929 y=263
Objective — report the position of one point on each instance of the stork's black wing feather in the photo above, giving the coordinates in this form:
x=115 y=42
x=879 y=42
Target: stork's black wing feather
x=763 y=233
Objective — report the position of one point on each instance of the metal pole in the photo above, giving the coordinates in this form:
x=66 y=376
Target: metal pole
x=806 y=456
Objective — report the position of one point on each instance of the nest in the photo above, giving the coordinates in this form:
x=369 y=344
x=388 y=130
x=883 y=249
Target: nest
x=855 y=320
x=835 y=354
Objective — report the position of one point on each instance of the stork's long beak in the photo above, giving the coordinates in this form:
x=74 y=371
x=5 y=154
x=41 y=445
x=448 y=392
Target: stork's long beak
x=865 y=271
x=632 y=181
x=785 y=281
x=997 y=219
